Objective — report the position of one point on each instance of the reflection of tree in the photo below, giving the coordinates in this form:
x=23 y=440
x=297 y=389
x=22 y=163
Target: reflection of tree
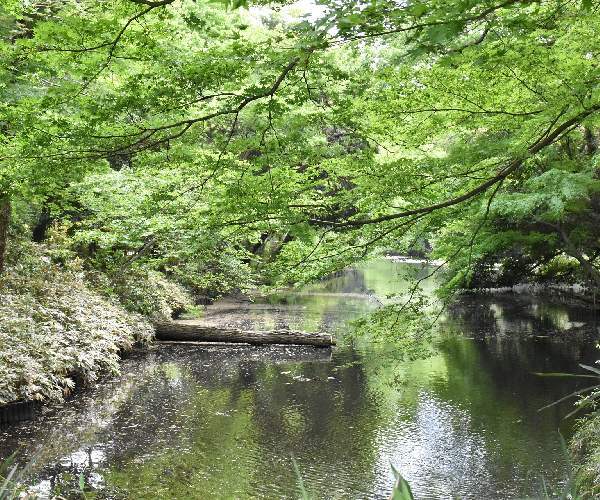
x=485 y=389
x=225 y=421
x=246 y=419
x=516 y=336
x=522 y=315
x=315 y=421
x=493 y=379
x=346 y=281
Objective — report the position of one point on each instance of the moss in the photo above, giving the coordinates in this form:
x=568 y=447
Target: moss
x=55 y=329
x=585 y=447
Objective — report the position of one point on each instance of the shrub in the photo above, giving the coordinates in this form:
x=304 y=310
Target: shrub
x=144 y=292
x=55 y=329
x=585 y=446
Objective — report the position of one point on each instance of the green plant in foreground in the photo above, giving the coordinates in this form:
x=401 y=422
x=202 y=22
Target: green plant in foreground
x=569 y=490
x=10 y=479
x=401 y=489
x=583 y=482
x=592 y=392
x=303 y=493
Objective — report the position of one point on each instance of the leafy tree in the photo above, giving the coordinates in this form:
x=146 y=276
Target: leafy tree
x=295 y=148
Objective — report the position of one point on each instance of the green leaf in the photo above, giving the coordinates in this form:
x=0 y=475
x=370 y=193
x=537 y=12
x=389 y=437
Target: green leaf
x=401 y=490
x=569 y=396
x=590 y=368
x=418 y=9
x=304 y=495
x=558 y=374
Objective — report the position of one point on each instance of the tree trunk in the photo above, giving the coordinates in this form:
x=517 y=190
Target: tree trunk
x=4 y=221
x=194 y=331
x=573 y=251
x=41 y=227
x=591 y=142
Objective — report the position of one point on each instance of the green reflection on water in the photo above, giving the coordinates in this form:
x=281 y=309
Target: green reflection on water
x=225 y=422
x=238 y=435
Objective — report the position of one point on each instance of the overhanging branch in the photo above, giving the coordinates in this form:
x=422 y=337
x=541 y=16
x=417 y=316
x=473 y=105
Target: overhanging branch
x=547 y=138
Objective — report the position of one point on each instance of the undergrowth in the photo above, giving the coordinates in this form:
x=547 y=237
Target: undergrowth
x=54 y=329
x=585 y=447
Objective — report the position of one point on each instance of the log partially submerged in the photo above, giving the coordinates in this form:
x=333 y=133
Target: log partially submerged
x=195 y=331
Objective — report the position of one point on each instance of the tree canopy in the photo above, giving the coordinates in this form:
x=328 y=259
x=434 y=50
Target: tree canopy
x=231 y=144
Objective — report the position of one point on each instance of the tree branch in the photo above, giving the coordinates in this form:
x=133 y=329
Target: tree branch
x=544 y=140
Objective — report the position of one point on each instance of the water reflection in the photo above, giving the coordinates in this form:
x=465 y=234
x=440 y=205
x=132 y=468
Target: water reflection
x=224 y=422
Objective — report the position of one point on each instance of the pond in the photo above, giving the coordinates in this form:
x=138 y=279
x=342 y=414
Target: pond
x=207 y=421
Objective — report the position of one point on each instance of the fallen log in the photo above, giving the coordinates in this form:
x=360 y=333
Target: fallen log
x=194 y=331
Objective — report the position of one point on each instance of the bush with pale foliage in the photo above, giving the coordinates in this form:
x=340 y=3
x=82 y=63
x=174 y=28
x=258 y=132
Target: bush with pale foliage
x=54 y=329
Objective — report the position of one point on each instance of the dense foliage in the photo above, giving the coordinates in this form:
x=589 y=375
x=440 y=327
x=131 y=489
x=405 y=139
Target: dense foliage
x=233 y=148
x=55 y=330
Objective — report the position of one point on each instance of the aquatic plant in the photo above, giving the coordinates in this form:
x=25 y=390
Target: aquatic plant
x=401 y=490
x=303 y=492
x=11 y=486
x=585 y=444
x=589 y=394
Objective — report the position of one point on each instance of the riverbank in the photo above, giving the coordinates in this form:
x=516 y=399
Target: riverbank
x=61 y=327
x=568 y=293
x=463 y=421
x=585 y=449
x=575 y=292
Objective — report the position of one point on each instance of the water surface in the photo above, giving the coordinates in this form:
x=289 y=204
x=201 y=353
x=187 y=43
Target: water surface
x=192 y=421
